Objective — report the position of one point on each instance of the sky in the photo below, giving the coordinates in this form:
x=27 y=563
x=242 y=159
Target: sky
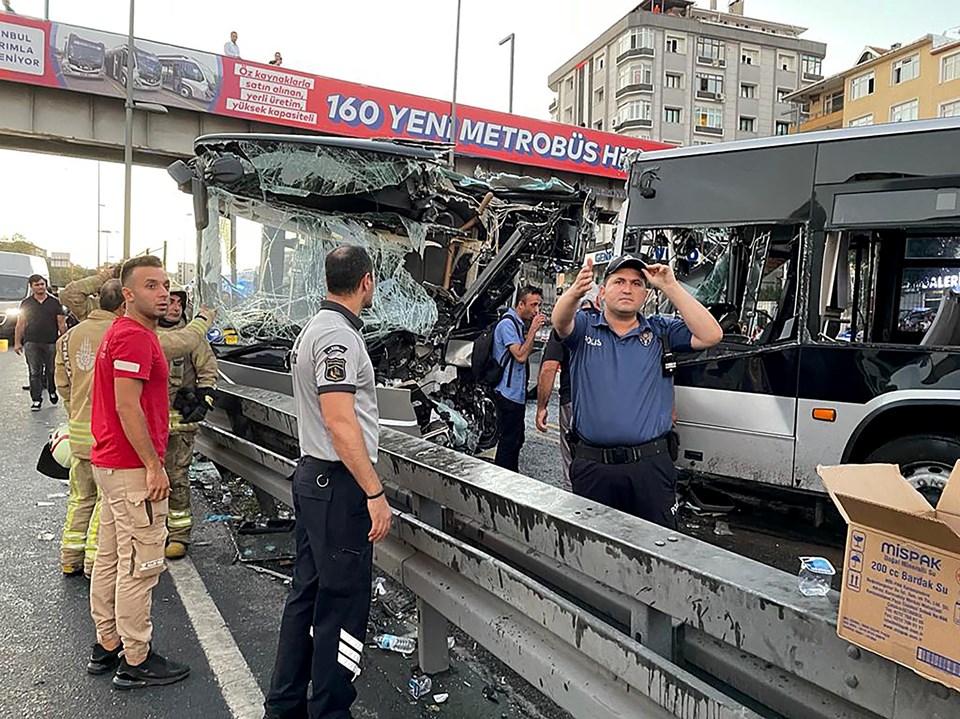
x=406 y=46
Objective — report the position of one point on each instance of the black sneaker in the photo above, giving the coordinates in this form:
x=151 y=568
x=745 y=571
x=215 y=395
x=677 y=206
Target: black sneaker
x=35 y=407
x=103 y=660
x=53 y=398
x=154 y=671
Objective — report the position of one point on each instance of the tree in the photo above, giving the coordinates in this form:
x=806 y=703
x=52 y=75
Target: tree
x=62 y=276
x=19 y=243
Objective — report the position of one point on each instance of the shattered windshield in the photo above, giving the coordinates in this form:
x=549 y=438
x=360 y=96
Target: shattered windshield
x=268 y=279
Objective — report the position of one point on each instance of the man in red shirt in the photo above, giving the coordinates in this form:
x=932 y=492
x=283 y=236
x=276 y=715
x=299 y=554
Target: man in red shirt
x=129 y=422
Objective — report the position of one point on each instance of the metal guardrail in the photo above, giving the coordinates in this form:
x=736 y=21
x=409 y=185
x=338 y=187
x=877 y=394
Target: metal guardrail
x=608 y=615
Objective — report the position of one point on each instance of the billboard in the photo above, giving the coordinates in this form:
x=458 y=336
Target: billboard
x=83 y=60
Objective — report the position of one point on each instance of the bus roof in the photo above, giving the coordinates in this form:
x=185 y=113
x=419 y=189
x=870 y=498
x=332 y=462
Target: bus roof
x=805 y=138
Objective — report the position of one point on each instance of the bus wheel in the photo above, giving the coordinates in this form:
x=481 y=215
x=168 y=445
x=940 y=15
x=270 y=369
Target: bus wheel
x=925 y=461
x=185 y=92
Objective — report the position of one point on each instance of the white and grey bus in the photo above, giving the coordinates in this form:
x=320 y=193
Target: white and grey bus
x=832 y=261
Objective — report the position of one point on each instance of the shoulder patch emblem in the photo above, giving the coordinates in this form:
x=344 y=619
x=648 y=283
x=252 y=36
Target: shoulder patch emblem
x=336 y=369
x=335 y=350
x=646 y=337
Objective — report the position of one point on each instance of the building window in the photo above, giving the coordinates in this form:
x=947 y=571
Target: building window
x=598 y=96
x=950 y=109
x=787 y=63
x=673 y=80
x=598 y=63
x=782 y=93
x=710 y=50
x=811 y=65
x=748 y=91
x=749 y=56
x=781 y=127
x=906 y=69
x=861 y=86
x=568 y=115
x=905 y=111
x=950 y=67
x=570 y=84
x=677 y=45
x=748 y=124
x=598 y=125
x=833 y=103
x=637 y=39
x=710 y=117
x=639 y=73
x=861 y=121
x=710 y=83
x=634 y=110
x=672 y=115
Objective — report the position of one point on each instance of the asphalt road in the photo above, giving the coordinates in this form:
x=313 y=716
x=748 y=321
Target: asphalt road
x=46 y=630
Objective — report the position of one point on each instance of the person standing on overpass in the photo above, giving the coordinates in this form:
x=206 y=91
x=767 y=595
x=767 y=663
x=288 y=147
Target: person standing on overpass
x=623 y=385
x=339 y=501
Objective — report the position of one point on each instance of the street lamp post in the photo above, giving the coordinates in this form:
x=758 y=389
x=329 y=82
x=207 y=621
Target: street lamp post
x=128 y=140
x=511 y=39
x=453 y=103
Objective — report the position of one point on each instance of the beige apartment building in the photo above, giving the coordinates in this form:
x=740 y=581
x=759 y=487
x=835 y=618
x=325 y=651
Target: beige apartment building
x=677 y=73
x=905 y=82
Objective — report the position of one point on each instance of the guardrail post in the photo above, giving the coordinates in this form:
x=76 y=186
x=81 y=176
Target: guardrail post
x=653 y=629
x=432 y=627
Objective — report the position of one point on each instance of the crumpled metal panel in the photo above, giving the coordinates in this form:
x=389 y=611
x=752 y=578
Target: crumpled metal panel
x=301 y=170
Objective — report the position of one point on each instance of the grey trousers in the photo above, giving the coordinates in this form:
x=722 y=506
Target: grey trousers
x=566 y=456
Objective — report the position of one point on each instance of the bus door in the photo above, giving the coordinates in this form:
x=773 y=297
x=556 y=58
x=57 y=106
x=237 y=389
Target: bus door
x=736 y=402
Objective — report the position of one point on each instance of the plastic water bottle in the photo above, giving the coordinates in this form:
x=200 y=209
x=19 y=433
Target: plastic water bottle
x=419 y=686
x=815 y=576
x=393 y=643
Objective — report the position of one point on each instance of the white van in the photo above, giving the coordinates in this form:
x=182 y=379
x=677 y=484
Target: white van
x=15 y=269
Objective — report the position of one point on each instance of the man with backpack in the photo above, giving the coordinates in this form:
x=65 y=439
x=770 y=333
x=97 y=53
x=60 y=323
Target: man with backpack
x=511 y=350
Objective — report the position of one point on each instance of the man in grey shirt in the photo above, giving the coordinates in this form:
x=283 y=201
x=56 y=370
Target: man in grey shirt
x=338 y=498
x=230 y=48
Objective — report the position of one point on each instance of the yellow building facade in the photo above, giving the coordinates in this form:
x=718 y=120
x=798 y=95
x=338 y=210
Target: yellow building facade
x=913 y=82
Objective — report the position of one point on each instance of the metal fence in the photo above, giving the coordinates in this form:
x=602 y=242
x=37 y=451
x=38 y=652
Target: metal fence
x=606 y=614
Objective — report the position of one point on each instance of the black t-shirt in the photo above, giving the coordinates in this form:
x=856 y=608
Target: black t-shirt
x=554 y=350
x=41 y=319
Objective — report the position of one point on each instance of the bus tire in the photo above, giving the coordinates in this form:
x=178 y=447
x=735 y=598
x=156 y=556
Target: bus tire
x=185 y=92
x=925 y=460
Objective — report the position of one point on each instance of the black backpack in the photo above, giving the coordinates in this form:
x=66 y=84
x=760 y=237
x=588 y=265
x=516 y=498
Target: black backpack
x=486 y=370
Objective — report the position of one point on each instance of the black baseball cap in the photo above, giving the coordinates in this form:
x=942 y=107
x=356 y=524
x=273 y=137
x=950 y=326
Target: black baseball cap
x=618 y=263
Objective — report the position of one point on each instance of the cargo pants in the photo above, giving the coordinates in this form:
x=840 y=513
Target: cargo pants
x=177 y=463
x=130 y=559
x=78 y=547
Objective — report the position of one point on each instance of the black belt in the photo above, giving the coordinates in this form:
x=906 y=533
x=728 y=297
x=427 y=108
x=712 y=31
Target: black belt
x=620 y=455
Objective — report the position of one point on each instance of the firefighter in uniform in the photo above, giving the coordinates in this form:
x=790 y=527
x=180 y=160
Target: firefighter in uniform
x=339 y=502
x=193 y=379
x=74 y=359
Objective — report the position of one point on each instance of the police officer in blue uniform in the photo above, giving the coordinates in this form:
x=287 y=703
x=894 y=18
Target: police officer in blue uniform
x=340 y=506
x=623 y=387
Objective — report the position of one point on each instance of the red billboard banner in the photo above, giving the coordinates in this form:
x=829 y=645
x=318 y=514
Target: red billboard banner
x=83 y=60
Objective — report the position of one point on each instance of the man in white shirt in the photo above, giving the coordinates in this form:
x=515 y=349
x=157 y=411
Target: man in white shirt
x=231 y=49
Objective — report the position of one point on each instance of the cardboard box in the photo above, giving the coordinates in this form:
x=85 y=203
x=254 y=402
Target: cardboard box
x=901 y=577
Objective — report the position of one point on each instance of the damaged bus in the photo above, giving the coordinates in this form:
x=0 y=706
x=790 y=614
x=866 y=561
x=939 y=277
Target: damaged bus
x=449 y=252
x=832 y=261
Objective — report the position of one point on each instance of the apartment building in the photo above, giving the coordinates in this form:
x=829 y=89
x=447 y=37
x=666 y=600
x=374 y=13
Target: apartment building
x=685 y=75
x=905 y=82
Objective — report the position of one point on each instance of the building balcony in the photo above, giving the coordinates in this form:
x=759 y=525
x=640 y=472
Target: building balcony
x=711 y=62
x=636 y=124
x=636 y=87
x=707 y=130
x=820 y=121
x=812 y=77
x=712 y=96
x=636 y=52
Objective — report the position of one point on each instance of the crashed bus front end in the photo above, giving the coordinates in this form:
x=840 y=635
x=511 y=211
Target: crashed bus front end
x=449 y=252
